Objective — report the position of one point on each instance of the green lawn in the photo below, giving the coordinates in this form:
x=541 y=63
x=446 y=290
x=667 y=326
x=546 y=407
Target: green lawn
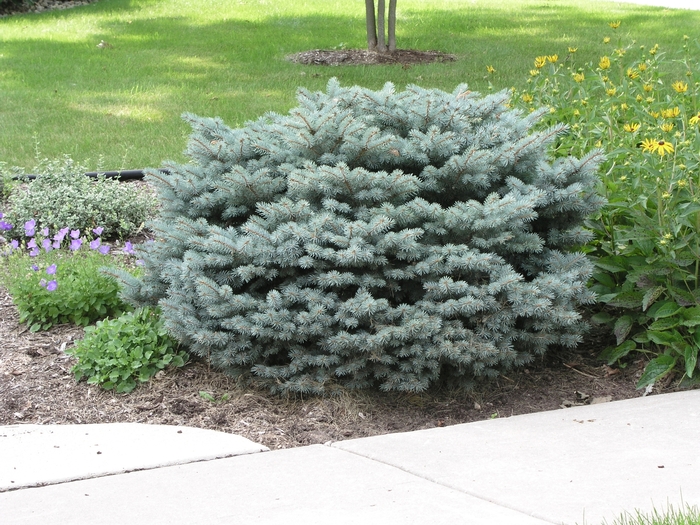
x=60 y=93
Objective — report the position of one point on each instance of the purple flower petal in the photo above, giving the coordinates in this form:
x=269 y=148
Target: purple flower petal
x=35 y=267
x=51 y=286
x=45 y=232
x=128 y=248
x=14 y=243
x=98 y=230
x=75 y=244
x=56 y=245
x=75 y=234
x=104 y=249
x=42 y=283
x=5 y=225
x=34 y=252
x=95 y=244
x=31 y=243
x=51 y=269
x=46 y=244
x=61 y=234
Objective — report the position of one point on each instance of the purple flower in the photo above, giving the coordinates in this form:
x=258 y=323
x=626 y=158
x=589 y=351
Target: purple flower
x=128 y=248
x=98 y=230
x=45 y=232
x=104 y=249
x=14 y=243
x=29 y=227
x=139 y=262
x=61 y=234
x=5 y=225
x=46 y=244
x=51 y=269
x=95 y=244
x=42 y=283
x=35 y=267
x=75 y=244
x=74 y=234
x=51 y=286
x=56 y=244
x=31 y=243
x=34 y=252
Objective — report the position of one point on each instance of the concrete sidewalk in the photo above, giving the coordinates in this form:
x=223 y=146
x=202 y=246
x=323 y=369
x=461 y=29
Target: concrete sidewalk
x=574 y=465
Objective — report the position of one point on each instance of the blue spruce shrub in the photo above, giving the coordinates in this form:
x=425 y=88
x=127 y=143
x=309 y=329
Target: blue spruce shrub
x=372 y=238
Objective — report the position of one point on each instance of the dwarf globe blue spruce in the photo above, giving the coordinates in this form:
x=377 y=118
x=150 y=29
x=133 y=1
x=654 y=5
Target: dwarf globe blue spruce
x=372 y=238
x=645 y=112
x=53 y=281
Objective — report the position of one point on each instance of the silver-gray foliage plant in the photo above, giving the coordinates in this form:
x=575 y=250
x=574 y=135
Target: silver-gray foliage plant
x=372 y=238
x=62 y=196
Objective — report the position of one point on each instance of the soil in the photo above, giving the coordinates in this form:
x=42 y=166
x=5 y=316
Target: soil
x=37 y=386
x=347 y=57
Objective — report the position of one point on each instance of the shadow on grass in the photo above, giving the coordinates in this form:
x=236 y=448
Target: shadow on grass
x=124 y=100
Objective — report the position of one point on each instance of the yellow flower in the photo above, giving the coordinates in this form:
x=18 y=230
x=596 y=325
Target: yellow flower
x=605 y=78
x=655 y=114
x=620 y=52
x=680 y=87
x=613 y=108
x=534 y=72
x=631 y=73
x=490 y=69
x=647 y=87
x=540 y=62
x=606 y=40
x=642 y=67
x=553 y=59
x=573 y=49
x=682 y=183
x=614 y=25
x=670 y=113
x=632 y=127
x=666 y=126
x=611 y=91
x=650 y=100
x=527 y=98
x=657 y=146
x=624 y=107
x=666 y=195
x=695 y=119
x=654 y=49
x=579 y=77
x=577 y=113
x=639 y=98
x=604 y=63
x=584 y=101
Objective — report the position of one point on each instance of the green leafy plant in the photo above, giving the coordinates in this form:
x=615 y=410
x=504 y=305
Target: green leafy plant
x=61 y=285
x=122 y=352
x=62 y=195
x=645 y=114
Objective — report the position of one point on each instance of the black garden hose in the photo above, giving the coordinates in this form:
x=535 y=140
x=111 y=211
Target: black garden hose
x=119 y=175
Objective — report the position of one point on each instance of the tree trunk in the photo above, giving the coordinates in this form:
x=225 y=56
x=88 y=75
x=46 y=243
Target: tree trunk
x=392 y=25
x=381 y=42
x=371 y=26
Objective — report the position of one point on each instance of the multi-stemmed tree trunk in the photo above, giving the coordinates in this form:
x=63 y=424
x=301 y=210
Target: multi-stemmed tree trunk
x=377 y=40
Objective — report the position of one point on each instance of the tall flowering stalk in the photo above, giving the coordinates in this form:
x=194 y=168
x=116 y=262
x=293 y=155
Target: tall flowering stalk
x=646 y=117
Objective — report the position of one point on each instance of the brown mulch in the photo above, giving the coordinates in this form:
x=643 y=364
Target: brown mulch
x=348 y=57
x=36 y=386
x=39 y=6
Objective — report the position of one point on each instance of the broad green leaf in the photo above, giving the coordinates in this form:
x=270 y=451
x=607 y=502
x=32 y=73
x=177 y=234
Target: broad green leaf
x=624 y=300
x=666 y=310
x=601 y=318
x=622 y=328
x=613 y=353
x=656 y=369
x=605 y=279
x=664 y=324
x=683 y=297
x=691 y=316
x=664 y=338
x=691 y=359
x=650 y=296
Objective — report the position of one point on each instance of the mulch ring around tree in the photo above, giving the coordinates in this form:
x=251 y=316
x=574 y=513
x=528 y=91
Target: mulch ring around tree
x=350 y=57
